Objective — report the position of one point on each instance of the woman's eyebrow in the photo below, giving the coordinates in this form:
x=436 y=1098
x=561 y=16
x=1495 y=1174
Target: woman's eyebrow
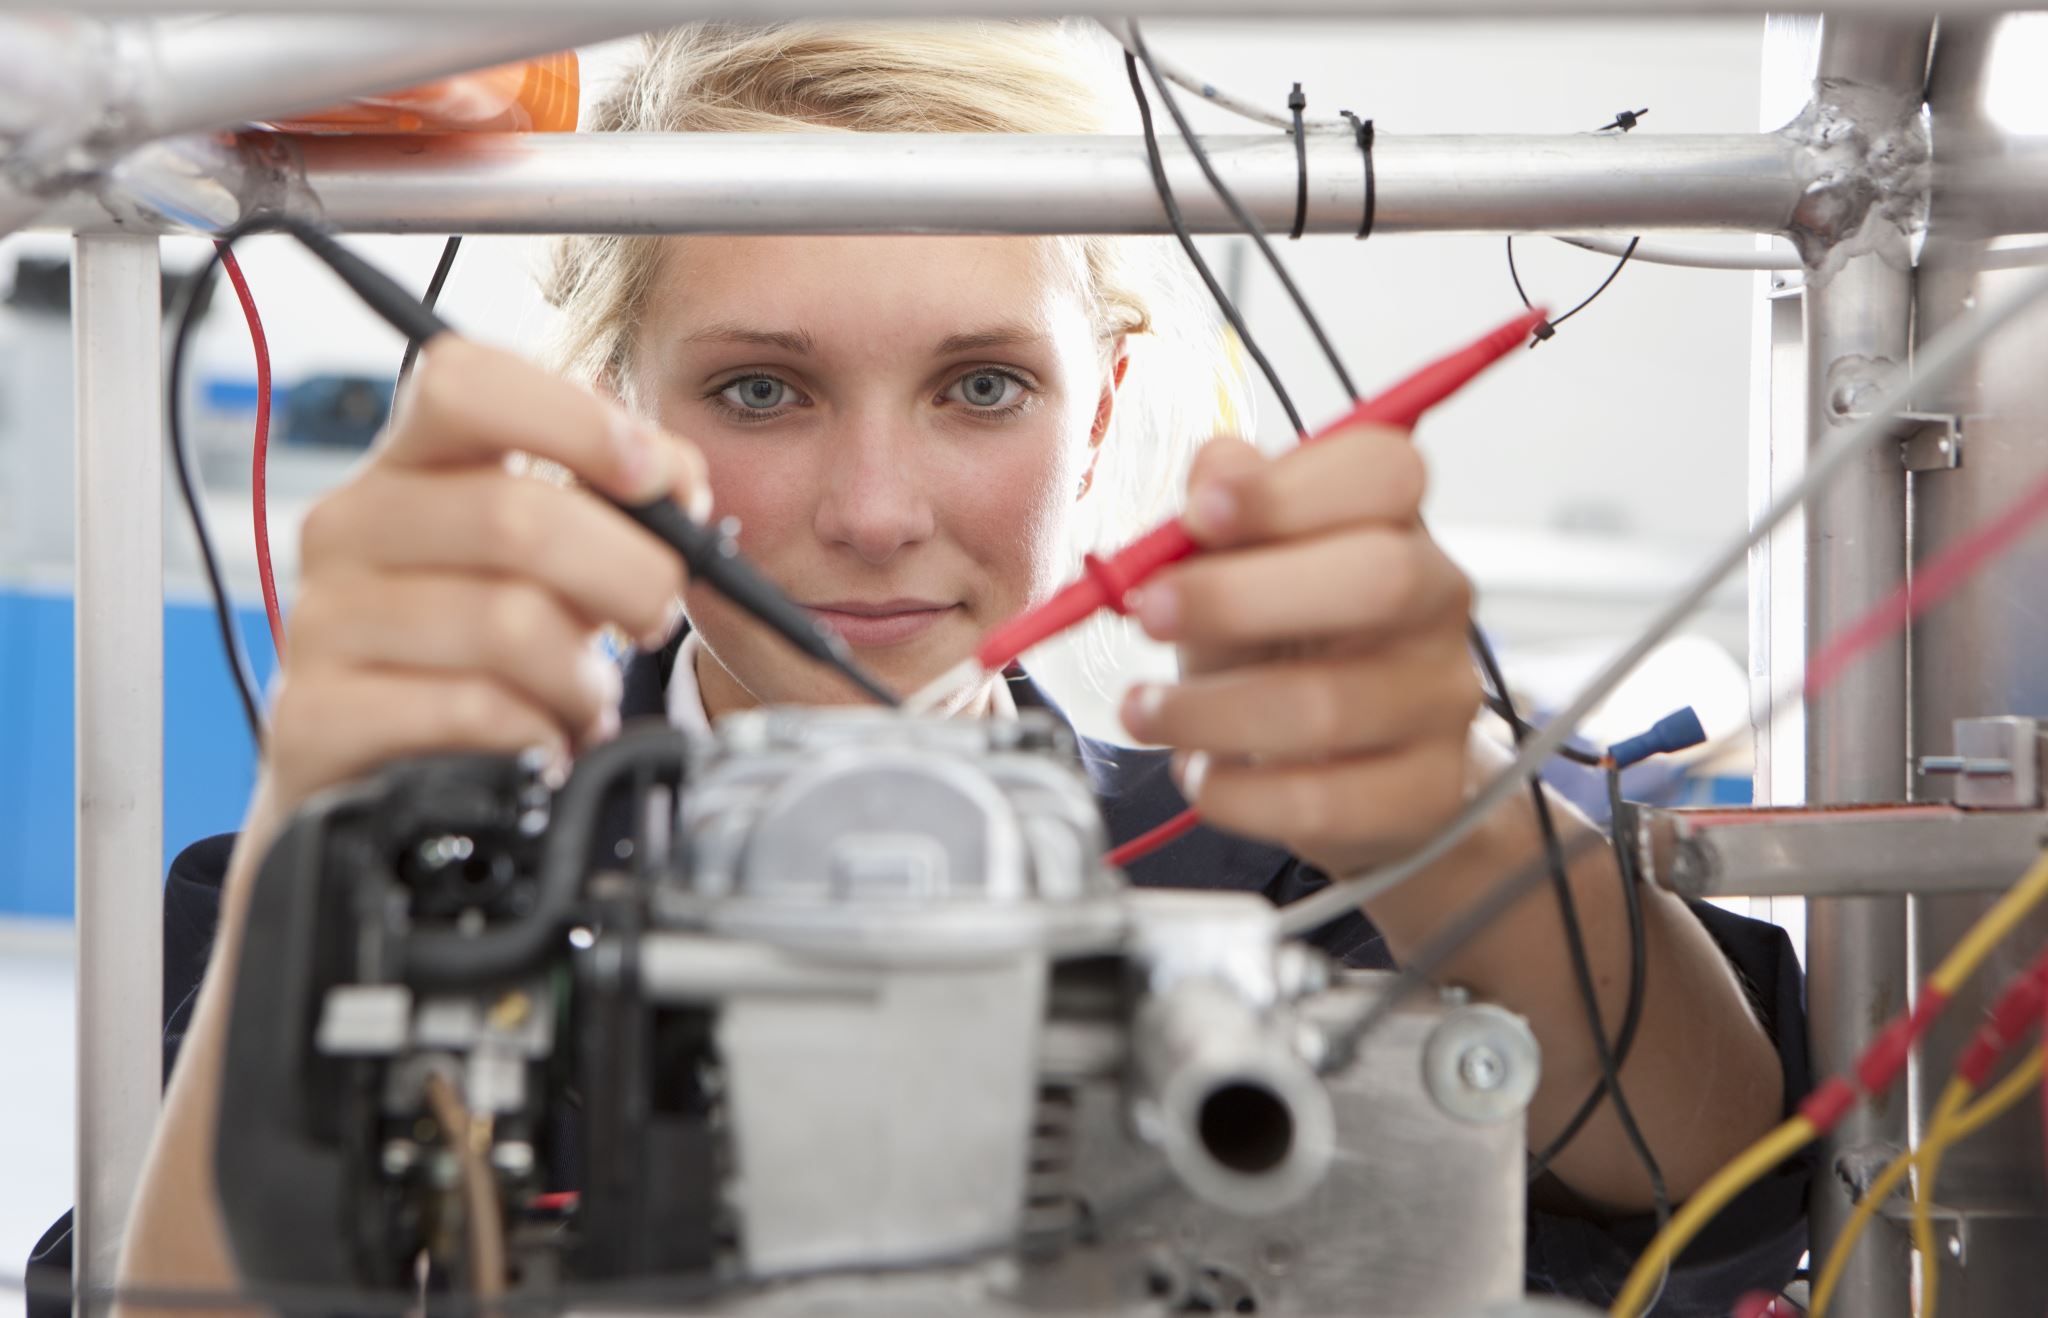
x=996 y=336
x=794 y=341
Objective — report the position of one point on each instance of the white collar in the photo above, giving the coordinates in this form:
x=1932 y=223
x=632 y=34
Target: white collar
x=686 y=698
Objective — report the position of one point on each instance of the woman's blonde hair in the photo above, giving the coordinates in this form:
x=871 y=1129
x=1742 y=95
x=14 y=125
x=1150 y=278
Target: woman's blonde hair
x=997 y=77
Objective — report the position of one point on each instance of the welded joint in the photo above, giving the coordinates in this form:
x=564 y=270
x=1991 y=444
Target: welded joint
x=1864 y=159
x=208 y=183
x=69 y=94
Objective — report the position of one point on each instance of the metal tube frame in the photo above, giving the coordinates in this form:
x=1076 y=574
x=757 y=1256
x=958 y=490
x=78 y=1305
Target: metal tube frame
x=117 y=638
x=1857 y=316
x=1872 y=76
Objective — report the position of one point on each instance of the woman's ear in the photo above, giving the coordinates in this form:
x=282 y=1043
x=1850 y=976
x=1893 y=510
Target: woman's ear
x=1105 y=407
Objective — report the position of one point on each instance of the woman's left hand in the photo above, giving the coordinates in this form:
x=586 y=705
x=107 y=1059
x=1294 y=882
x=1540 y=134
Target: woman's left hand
x=1327 y=693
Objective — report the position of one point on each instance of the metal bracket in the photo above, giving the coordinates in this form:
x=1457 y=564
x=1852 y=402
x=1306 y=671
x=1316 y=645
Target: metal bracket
x=1937 y=444
x=1997 y=764
x=1836 y=851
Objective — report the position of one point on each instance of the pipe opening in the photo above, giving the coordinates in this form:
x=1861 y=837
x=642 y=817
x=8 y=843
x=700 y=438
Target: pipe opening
x=1246 y=1127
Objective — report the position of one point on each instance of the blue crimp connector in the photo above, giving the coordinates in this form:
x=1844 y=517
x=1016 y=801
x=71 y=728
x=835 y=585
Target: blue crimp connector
x=1673 y=732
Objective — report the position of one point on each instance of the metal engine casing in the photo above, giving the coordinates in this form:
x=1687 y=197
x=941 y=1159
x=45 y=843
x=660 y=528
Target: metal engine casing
x=859 y=1019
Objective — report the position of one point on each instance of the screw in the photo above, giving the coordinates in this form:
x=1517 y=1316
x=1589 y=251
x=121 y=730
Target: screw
x=513 y=1157
x=399 y=1157
x=1482 y=1067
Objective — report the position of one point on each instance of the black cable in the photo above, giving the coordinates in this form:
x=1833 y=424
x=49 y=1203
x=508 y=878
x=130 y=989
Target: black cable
x=1560 y=876
x=1500 y=705
x=1362 y=133
x=188 y=489
x=1187 y=244
x=1549 y=327
x=1416 y=972
x=1638 y=971
x=1296 y=103
x=1245 y=219
x=1582 y=970
x=1623 y=121
x=441 y=269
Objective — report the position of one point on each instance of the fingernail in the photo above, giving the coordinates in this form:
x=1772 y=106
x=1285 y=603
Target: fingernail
x=1141 y=706
x=602 y=675
x=1191 y=769
x=604 y=727
x=1158 y=608
x=639 y=456
x=1213 y=509
x=700 y=503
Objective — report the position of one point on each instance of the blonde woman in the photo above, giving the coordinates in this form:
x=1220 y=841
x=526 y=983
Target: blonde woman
x=916 y=434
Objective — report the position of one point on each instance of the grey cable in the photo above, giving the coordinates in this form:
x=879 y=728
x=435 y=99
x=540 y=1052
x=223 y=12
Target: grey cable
x=1695 y=258
x=1938 y=363
x=1210 y=92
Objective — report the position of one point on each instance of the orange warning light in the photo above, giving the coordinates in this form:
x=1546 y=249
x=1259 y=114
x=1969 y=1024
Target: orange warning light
x=531 y=96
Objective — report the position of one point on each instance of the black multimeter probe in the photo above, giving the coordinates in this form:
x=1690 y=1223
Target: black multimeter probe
x=711 y=554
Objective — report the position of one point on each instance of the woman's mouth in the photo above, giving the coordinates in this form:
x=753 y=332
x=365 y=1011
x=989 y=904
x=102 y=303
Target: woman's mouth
x=864 y=624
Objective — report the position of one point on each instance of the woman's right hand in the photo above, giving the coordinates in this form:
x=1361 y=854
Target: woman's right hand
x=446 y=603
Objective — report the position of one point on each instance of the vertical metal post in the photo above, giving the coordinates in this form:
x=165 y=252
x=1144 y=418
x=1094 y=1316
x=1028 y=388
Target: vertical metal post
x=117 y=635
x=1977 y=654
x=1871 y=78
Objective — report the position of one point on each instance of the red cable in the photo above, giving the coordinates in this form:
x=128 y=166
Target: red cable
x=1927 y=586
x=1153 y=839
x=258 y=477
x=1105 y=583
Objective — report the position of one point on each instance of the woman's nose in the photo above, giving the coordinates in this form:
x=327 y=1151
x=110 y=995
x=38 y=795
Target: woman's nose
x=875 y=502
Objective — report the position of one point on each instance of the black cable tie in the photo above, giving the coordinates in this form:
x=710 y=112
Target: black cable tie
x=1362 y=130
x=1624 y=120
x=1296 y=103
x=1544 y=330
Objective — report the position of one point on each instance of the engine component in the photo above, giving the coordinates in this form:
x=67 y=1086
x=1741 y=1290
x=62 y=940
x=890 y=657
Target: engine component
x=837 y=1008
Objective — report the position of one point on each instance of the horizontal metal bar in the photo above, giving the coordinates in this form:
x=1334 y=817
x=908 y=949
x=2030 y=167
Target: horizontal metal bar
x=1846 y=851
x=75 y=94
x=998 y=183
x=227 y=71
x=678 y=11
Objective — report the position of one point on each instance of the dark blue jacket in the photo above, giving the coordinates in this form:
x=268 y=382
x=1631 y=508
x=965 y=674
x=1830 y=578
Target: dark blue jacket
x=1754 y=1243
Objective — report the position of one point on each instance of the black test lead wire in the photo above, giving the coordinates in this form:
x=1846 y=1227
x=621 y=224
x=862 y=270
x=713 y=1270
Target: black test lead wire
x=710 y=552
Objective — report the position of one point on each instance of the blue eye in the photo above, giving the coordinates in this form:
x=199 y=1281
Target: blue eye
x=757 y=393
x=986 y=390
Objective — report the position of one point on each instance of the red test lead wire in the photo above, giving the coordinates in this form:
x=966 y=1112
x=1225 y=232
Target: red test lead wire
x=259 y=461
x=1107 y=582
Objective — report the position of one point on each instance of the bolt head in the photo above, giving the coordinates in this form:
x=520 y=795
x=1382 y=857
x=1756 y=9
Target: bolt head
x=1482 y=1067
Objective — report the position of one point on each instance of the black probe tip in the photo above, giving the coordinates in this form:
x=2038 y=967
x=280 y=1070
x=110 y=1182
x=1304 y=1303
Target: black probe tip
x=714 y=559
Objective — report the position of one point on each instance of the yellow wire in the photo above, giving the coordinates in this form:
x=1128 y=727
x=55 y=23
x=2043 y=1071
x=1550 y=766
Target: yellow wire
x=1786 y=1140
x=1996 y=923
x=1845 y=1244
x=1947 y=1127
x=1968 y=1122
x=1793 y=1135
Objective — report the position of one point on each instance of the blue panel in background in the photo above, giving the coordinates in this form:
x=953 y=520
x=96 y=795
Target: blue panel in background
x=209 y=763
